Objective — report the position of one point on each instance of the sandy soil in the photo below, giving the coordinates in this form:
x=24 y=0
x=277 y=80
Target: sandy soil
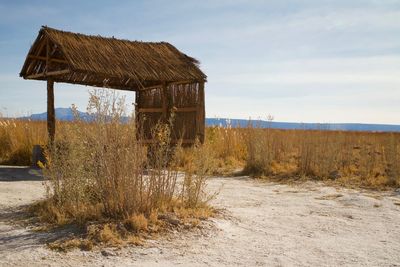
x=262 y=224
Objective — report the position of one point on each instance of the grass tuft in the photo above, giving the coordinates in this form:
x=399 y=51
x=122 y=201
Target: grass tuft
x=136 y=223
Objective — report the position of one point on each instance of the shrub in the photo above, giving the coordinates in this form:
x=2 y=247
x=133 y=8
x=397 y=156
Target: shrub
x=101 y=169
x=199 y=166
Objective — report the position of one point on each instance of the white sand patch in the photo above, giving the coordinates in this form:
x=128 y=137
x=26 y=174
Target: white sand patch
x=262 y=224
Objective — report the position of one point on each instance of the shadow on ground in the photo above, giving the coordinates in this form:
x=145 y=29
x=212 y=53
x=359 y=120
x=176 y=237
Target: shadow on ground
x=18 y=230
x=18 y=173
x=15 y=221
x=17 y=238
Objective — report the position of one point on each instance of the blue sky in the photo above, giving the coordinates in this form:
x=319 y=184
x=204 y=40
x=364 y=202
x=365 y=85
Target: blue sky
x=303 y=61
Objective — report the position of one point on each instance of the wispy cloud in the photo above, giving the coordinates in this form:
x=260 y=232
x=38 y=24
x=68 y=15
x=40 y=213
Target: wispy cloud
x=299 y=60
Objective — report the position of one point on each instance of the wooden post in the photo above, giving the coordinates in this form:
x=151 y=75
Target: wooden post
x=165 y=100
x=138 y=120
x=47 y=56
x=201 y=113
x=136 y=107
x=51 y=120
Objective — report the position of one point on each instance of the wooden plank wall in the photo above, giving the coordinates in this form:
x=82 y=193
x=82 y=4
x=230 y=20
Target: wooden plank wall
x=183 y=101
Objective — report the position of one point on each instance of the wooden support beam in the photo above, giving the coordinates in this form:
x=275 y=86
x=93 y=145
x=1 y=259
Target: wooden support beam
x=182 y=82
x=201 y=119
x=37 y=52
x=136 y=105
x=57 y=72
x=138 y=122
x=41 y=45
x=58 y=60
x=151 y=87
x=186 y=109
x=50 y=73
x=165 y=102
x=144 y=110
x=46 y=70
x=51 y=119
x=35 y=76
x=170 y=83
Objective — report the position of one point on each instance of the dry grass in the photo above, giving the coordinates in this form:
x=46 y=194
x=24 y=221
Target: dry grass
x=101 y=177
x=349 y=158
x=365 y=159
x=136 y=223
x=228 y=146
x=17 y=138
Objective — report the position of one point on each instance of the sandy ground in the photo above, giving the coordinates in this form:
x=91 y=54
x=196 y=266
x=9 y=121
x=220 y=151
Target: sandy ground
x=263 y=224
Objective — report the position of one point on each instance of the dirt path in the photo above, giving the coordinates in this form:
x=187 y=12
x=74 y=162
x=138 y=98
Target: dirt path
x=265 y=224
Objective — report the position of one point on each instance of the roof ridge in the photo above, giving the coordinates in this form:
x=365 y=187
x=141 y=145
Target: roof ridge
x=47 y=28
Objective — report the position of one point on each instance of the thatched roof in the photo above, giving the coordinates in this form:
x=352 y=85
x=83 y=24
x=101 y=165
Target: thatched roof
x=100 y=61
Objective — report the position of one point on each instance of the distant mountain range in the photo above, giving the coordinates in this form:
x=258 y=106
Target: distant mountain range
x=63 y=114
x=305 y=126
x=66 y=114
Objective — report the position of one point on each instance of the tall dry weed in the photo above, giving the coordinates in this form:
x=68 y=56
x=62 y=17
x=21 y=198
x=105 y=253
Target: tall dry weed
x=228 y=147
x=101 y=168
x=367 y=159
x=200 y=164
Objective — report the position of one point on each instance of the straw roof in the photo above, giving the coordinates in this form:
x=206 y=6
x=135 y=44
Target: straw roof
x=110 y=62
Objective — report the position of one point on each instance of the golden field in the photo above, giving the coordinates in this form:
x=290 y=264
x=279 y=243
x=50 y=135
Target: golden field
x=367 y=159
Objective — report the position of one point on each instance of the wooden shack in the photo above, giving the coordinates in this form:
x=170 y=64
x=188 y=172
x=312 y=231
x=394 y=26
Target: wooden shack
x=165 y=80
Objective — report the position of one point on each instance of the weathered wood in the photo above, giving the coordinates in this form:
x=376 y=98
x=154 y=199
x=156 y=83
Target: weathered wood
x=151 y=110
x=37 y=75
x=46 y=70
x=136 y=105
x=51 y=120
x=170 y=88
x=58 y=60
x=181 y=82
x=165 y=101
x=186 y=109
x=161 y=85
x=138 y=123
x=42 y=42
x=151 y=87
x=41 y=46
x=50 y=73
x=201 y=119
x=85 y=53
x=92 y=82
